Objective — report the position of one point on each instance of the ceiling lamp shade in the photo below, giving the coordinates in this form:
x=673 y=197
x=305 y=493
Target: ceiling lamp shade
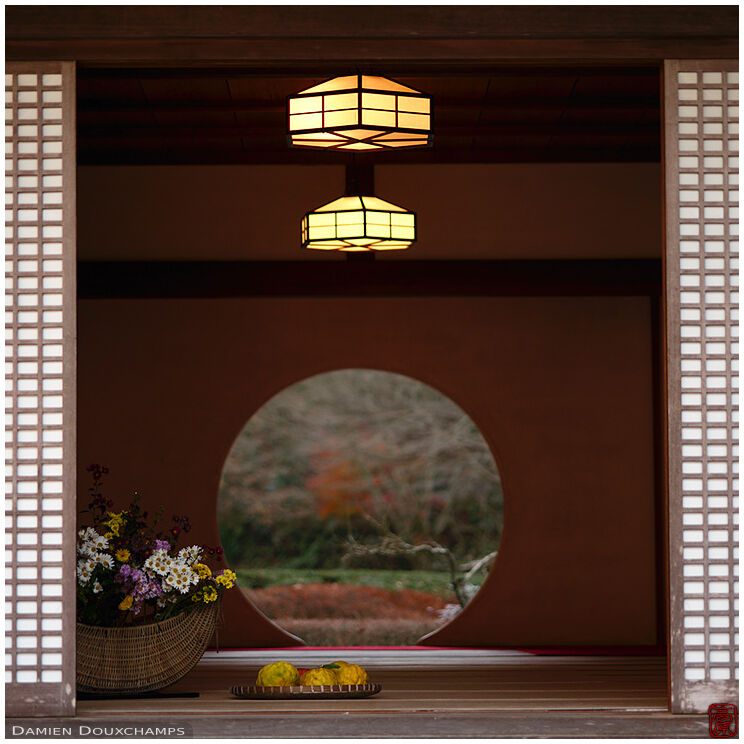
x=359 y=112
x=359 y=223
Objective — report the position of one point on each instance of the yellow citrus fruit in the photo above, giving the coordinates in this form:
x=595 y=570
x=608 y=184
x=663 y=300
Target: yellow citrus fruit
x=352 y=674
x=340 y=664
x=278 y=674
x=320 y=676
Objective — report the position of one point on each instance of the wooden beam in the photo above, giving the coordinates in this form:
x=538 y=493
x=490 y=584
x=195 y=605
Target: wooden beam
x=383 y=278
x=596 y=103
x=168 y=51
x=512 y=129
x=93 y=152
x=319 y=69
x=342 y=22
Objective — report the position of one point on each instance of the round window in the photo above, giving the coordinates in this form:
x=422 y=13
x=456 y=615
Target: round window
x=360 y=507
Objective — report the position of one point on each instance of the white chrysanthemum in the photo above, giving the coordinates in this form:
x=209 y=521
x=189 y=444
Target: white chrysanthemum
x=179 y=580
x=100 y=542
x=170 y=580
x=91 y=564
x=190 y=555
x=97 y=588
x=158 y=563
x=184 y=573
x=87 y=549
x=87 y=534
x=161 y=602
x=105 y=560
x=83 y=572
x=151 y=566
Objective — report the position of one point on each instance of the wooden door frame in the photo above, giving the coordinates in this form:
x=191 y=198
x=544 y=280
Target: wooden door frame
x=440 y=39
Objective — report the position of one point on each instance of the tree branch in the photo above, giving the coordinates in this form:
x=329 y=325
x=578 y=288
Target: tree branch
x=391 y=544
x=473 y=567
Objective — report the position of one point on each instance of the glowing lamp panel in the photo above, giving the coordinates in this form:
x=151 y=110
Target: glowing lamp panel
x=365 y=228
x=360 y=113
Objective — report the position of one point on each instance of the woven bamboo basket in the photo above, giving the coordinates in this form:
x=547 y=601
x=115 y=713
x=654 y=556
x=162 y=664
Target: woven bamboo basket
x=143 y=658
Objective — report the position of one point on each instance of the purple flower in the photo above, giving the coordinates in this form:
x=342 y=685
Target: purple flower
x=129 y=577
x=162 y=545
x=146 y=588
x=124 y=573
x=139 y=585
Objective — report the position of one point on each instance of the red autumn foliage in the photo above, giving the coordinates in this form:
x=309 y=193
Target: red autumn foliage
x=341 y=601
x=359 y=632
x=336 y=487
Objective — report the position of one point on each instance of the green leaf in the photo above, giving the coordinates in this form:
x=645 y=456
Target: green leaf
x=331 y=666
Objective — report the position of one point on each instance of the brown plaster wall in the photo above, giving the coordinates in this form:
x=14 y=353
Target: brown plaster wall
x=560 y=387
x=536 y=210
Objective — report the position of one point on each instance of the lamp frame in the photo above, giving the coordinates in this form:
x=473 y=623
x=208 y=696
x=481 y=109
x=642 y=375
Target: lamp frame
x=429 y=134
x=364 y=209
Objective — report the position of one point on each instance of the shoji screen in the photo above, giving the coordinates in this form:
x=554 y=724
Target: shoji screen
x=702 y=190
x=40 y=388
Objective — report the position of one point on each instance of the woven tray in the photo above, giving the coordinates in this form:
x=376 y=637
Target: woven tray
x=304 y=692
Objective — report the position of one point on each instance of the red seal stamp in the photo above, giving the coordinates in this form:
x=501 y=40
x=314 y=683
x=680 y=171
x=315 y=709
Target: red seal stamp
x=723 y=720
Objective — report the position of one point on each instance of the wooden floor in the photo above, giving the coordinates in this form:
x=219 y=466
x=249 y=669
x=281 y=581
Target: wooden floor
x=427 y=693
x=426 y=680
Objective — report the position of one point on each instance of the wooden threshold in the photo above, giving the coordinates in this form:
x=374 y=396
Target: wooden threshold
x=494 y=725
x=428 y=681
x=427 y=693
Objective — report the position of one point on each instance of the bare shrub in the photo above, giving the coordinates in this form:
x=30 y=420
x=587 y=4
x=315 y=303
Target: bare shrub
x=327 y=451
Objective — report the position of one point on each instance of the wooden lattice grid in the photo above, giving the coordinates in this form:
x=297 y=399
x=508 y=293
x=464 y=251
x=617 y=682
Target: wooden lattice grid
x=702 y=176
x=40 y=388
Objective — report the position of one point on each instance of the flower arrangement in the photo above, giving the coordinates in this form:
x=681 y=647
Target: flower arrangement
x=128 y=572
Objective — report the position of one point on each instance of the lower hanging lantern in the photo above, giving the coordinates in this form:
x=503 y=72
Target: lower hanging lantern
x=359 y=223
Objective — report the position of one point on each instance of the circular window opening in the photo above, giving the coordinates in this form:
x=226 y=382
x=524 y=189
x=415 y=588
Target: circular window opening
x=360 y=507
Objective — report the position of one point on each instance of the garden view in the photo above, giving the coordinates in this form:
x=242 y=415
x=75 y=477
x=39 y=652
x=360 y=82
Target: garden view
x=360 y=508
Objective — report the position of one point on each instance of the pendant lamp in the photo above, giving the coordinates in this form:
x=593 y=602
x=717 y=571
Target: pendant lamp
x=359 y=112
x=359 y=223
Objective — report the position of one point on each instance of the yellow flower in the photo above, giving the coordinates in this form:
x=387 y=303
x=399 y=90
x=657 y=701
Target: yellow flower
x=226 y=578
x=126 y=603
x=109 y=535
x=115 y=522
x=122 y=555
x=196 y=597
x=210 y=594
x=203 y=571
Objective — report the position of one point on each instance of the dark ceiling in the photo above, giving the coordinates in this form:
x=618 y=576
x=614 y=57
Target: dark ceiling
x=504 y=114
